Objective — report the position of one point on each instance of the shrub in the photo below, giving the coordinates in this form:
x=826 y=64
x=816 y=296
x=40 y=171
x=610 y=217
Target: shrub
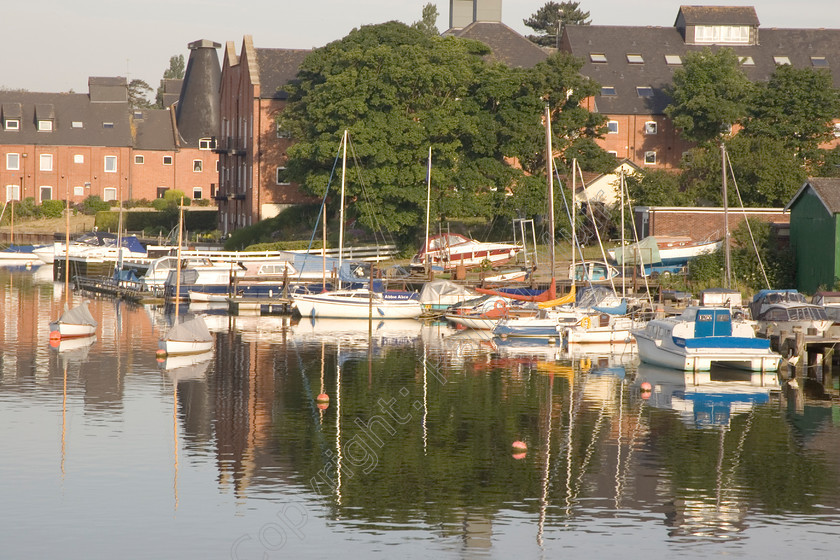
x=93 y=204
x=52 y=208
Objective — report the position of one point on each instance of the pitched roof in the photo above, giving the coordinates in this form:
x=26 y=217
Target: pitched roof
x=77 y=119
x=718 y=15
x=278 y=67
x=506 y=45
x=827 y=190
x=653 y=44
x=153 y=130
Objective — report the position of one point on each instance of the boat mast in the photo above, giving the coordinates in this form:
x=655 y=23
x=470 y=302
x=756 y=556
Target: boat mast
x=623 y=283
x=728 y=278
x=549 y=170
x=341 y=213
x=178 y=263
x=67 y=241
x=428 y=208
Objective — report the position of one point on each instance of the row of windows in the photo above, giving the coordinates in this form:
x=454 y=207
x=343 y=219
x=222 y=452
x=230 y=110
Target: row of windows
x=641 y=91
x=676 y=60
x=651 y=127
x=108 y=193
x=650 y=156
x=45 y=162
x=47 y=125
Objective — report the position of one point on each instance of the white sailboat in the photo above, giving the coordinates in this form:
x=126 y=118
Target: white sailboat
x=191 y=336
x=360 y=303
x=76 y=321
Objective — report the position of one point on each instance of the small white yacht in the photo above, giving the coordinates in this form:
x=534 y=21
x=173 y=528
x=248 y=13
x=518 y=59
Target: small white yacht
x=703 y=336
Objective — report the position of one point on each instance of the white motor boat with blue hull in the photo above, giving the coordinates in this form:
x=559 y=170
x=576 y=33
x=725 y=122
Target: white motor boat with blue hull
x=703 y=336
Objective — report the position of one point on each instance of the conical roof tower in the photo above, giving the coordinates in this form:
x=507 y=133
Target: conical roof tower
x=197 y=111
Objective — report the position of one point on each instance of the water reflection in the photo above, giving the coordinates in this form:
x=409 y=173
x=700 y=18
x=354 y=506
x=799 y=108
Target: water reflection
x=379 y=431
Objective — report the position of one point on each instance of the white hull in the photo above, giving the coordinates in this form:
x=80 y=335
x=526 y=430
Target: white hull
x=476 y=323
x=204 y=297
x=70 y=330
x=598 y=335
x=666 y=353
x=183 y=347
x=345 y=305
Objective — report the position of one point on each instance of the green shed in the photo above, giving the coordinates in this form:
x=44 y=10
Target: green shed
x=815 y=233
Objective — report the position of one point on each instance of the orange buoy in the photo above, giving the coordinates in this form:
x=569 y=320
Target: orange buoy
x=322 y=398
x=55 y=335
x=519 y=445
x=519 y=456
x=646 y=387
x=322 y=405
x=160 y=353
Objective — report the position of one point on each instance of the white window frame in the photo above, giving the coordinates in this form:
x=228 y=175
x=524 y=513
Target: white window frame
x=45 y=162
x=277 y=176
x=673 y=59
x=139 y=159
x=198 y=166
x=610 y=90
x=197 y=193
x=837 y=130
x=598 y=58
x=109 y=194
x=739 y=34
x=639 y=90
x=77 y=124
x=45 y=188
x=45 y=125
x=110 y=168
x=78 y=158
x=635 y=58
x=819 y=62
x=612 y=153
x=651 y=127
x=165 y=158
x=206 y=144
x=650 y=157
x=610 y=127
x=12 y=192
x=12 y=124
x=107 y=124
x=79 y=191
x=747 y=61
x=781 y=60
x=13 y=161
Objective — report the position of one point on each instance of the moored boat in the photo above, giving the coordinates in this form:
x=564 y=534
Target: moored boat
x=703 y=336
x=359 y=303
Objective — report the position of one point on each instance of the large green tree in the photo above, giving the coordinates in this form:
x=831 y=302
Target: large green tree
x=138 y=90
x=428 y=20
x=796 y=106
x=547 y=20
x=709 y=94
x=398 y=90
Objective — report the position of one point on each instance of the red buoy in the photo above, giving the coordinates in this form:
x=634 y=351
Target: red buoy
x=322 y=398
x=519 y=445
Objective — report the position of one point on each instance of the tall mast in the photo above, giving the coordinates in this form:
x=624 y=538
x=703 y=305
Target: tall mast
x=67 y=241
x=549 y=169
x=341 y=213
x=728 y=278
x=178 y=263
x=428 y=207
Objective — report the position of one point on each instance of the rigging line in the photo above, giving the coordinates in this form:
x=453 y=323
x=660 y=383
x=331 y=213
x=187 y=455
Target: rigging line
x=744 y=211
x=378 y=230
x=575 y=244
x=595 y=225
x=321 y=212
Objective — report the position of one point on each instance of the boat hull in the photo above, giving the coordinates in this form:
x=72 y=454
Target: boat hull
x=666 y=353
x=70 y=330
x=185 y=347
x=327 y=305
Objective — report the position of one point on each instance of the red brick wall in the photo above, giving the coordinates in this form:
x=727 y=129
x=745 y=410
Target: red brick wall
x=702 y=223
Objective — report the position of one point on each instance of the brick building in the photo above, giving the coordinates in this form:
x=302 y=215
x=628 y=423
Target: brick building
x=635 y=65
x=252 y=149
x=74 y=145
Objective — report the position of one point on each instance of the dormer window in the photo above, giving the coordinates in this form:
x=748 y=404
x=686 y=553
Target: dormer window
x=206 y=143
x=635 y=59
x=781 y=60
x=673 y=59
x=45 y=125
x=598 y=57
x=11 y=124
x=722 y=34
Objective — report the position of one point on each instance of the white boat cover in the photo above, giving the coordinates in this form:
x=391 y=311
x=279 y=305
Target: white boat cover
x=645 y=251
x=437 y=290
x=191 y=330
x=78 y=315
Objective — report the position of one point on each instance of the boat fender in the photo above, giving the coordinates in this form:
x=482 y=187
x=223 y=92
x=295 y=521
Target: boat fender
x=500 y=304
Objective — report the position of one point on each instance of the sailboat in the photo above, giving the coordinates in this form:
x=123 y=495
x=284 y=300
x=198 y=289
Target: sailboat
x=74 y=321
x=357 y=303
x=192 y=335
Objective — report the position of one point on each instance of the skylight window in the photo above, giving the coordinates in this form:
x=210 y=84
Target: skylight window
x=673 y=59
x=747 y=61
x=819 y=62
x=780 y=60
x=608 y=90
x=635 y=59
x=644 y=91
x=598 y=57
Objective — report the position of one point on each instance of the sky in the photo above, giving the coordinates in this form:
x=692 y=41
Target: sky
x=55 y=45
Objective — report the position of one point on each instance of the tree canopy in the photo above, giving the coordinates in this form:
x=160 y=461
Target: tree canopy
x=175 y=71
x=137 y=94
x=398 y=90
x=428 y=21
x=547 y=20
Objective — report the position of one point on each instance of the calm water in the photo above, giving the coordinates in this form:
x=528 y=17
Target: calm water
x=107 y=453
